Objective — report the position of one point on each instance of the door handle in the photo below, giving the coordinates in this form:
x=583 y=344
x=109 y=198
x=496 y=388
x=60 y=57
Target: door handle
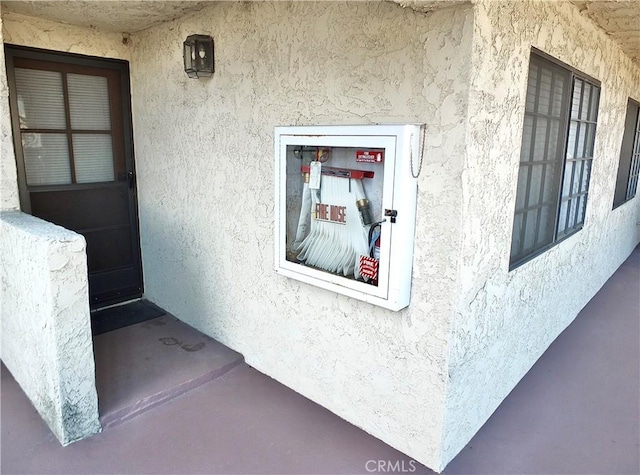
x=131 y=178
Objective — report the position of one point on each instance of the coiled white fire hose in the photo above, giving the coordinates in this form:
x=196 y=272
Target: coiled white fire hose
x=329 y=245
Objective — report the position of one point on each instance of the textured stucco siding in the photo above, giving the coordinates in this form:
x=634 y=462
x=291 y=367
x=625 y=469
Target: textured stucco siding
x=204 y=151
x=37 y=33
x=8 y=176
x=505 y=320
x=46 y=330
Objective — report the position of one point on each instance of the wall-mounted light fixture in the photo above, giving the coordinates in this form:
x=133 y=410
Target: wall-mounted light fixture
x=198 y=56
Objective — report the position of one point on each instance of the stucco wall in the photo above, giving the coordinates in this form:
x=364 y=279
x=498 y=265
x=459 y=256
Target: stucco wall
x=46 y=329
x=34 y=32
x=204 y=151
x=8 y=177
x=505 y=320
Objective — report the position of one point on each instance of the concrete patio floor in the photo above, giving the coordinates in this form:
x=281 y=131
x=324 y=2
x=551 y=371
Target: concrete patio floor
x=576 y=411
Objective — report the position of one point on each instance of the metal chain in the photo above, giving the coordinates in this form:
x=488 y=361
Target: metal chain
x=424 y=136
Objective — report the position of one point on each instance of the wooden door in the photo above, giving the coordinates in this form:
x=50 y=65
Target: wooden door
x=72 y=133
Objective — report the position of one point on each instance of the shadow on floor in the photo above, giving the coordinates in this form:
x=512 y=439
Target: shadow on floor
x=576 y=412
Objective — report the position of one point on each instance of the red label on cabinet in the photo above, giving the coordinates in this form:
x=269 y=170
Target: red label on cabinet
x=369 y=156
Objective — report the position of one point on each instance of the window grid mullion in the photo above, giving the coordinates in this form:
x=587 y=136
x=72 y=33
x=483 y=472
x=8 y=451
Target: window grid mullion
x=67 y=113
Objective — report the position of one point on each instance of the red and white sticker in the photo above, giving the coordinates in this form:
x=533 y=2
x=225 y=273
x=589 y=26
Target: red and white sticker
x=369 y=156
x=369 y=267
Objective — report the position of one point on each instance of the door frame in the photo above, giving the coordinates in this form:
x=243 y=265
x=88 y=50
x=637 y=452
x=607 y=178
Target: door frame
x=122 y=67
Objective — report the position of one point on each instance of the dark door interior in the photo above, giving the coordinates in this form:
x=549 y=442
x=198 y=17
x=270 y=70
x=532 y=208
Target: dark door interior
x=72 y=133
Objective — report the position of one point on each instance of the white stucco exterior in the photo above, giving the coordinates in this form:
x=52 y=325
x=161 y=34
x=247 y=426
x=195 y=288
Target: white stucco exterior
x=204 y=151
x=46 y=330
x=9 y=198
x=424 y=379
x=503 y=320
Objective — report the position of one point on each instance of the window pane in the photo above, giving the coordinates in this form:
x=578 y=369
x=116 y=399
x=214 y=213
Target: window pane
x=577 y=95
x=562 y=217
x=536 y=185
x=591 y=138
x=531 y=219
x=544 y=99
x=515 y=238
x=571 y=141
x=572 y=214
x=593 y=113
x=93 y=158
x=558 y=89
x=523 y=177
x=586 y=97
x=586 y=176
x=40 y=99
x=581 y=210
x=547 y=225
x=577 y=177
x=46 y=159
x=581 y=137
x=554 y=147
x=539 y=148
x=550 y=193
x=88 y=102
x=568 y=178
x=526 y=138
x=531 y=90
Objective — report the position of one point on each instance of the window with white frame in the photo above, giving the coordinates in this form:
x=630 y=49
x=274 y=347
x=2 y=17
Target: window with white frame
x=555 y=159
x=629 y=164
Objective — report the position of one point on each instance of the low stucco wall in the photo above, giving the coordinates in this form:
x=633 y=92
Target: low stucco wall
x=45 y=321
x=204 y=151
x=504 y=320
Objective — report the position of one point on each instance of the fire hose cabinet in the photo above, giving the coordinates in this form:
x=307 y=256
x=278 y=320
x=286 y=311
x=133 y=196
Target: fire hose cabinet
x=346 y=209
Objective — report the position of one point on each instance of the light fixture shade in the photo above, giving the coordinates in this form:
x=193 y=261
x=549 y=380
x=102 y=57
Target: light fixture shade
x=198 y=56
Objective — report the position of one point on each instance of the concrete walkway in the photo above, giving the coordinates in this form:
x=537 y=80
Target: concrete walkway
x=576 y=411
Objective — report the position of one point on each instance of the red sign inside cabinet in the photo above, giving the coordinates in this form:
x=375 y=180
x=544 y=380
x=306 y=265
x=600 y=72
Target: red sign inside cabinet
x=369 y=156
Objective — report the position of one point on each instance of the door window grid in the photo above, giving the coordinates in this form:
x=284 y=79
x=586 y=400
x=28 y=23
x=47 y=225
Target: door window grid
x=53 y=103
x=556 y=158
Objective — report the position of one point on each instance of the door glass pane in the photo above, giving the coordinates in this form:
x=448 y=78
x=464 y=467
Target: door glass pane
x=46 y=159
x=40 y=99
x=93 y=157
x=88 y=102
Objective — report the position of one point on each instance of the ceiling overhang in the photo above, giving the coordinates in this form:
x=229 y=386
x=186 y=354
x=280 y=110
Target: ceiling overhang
x=620 y=19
